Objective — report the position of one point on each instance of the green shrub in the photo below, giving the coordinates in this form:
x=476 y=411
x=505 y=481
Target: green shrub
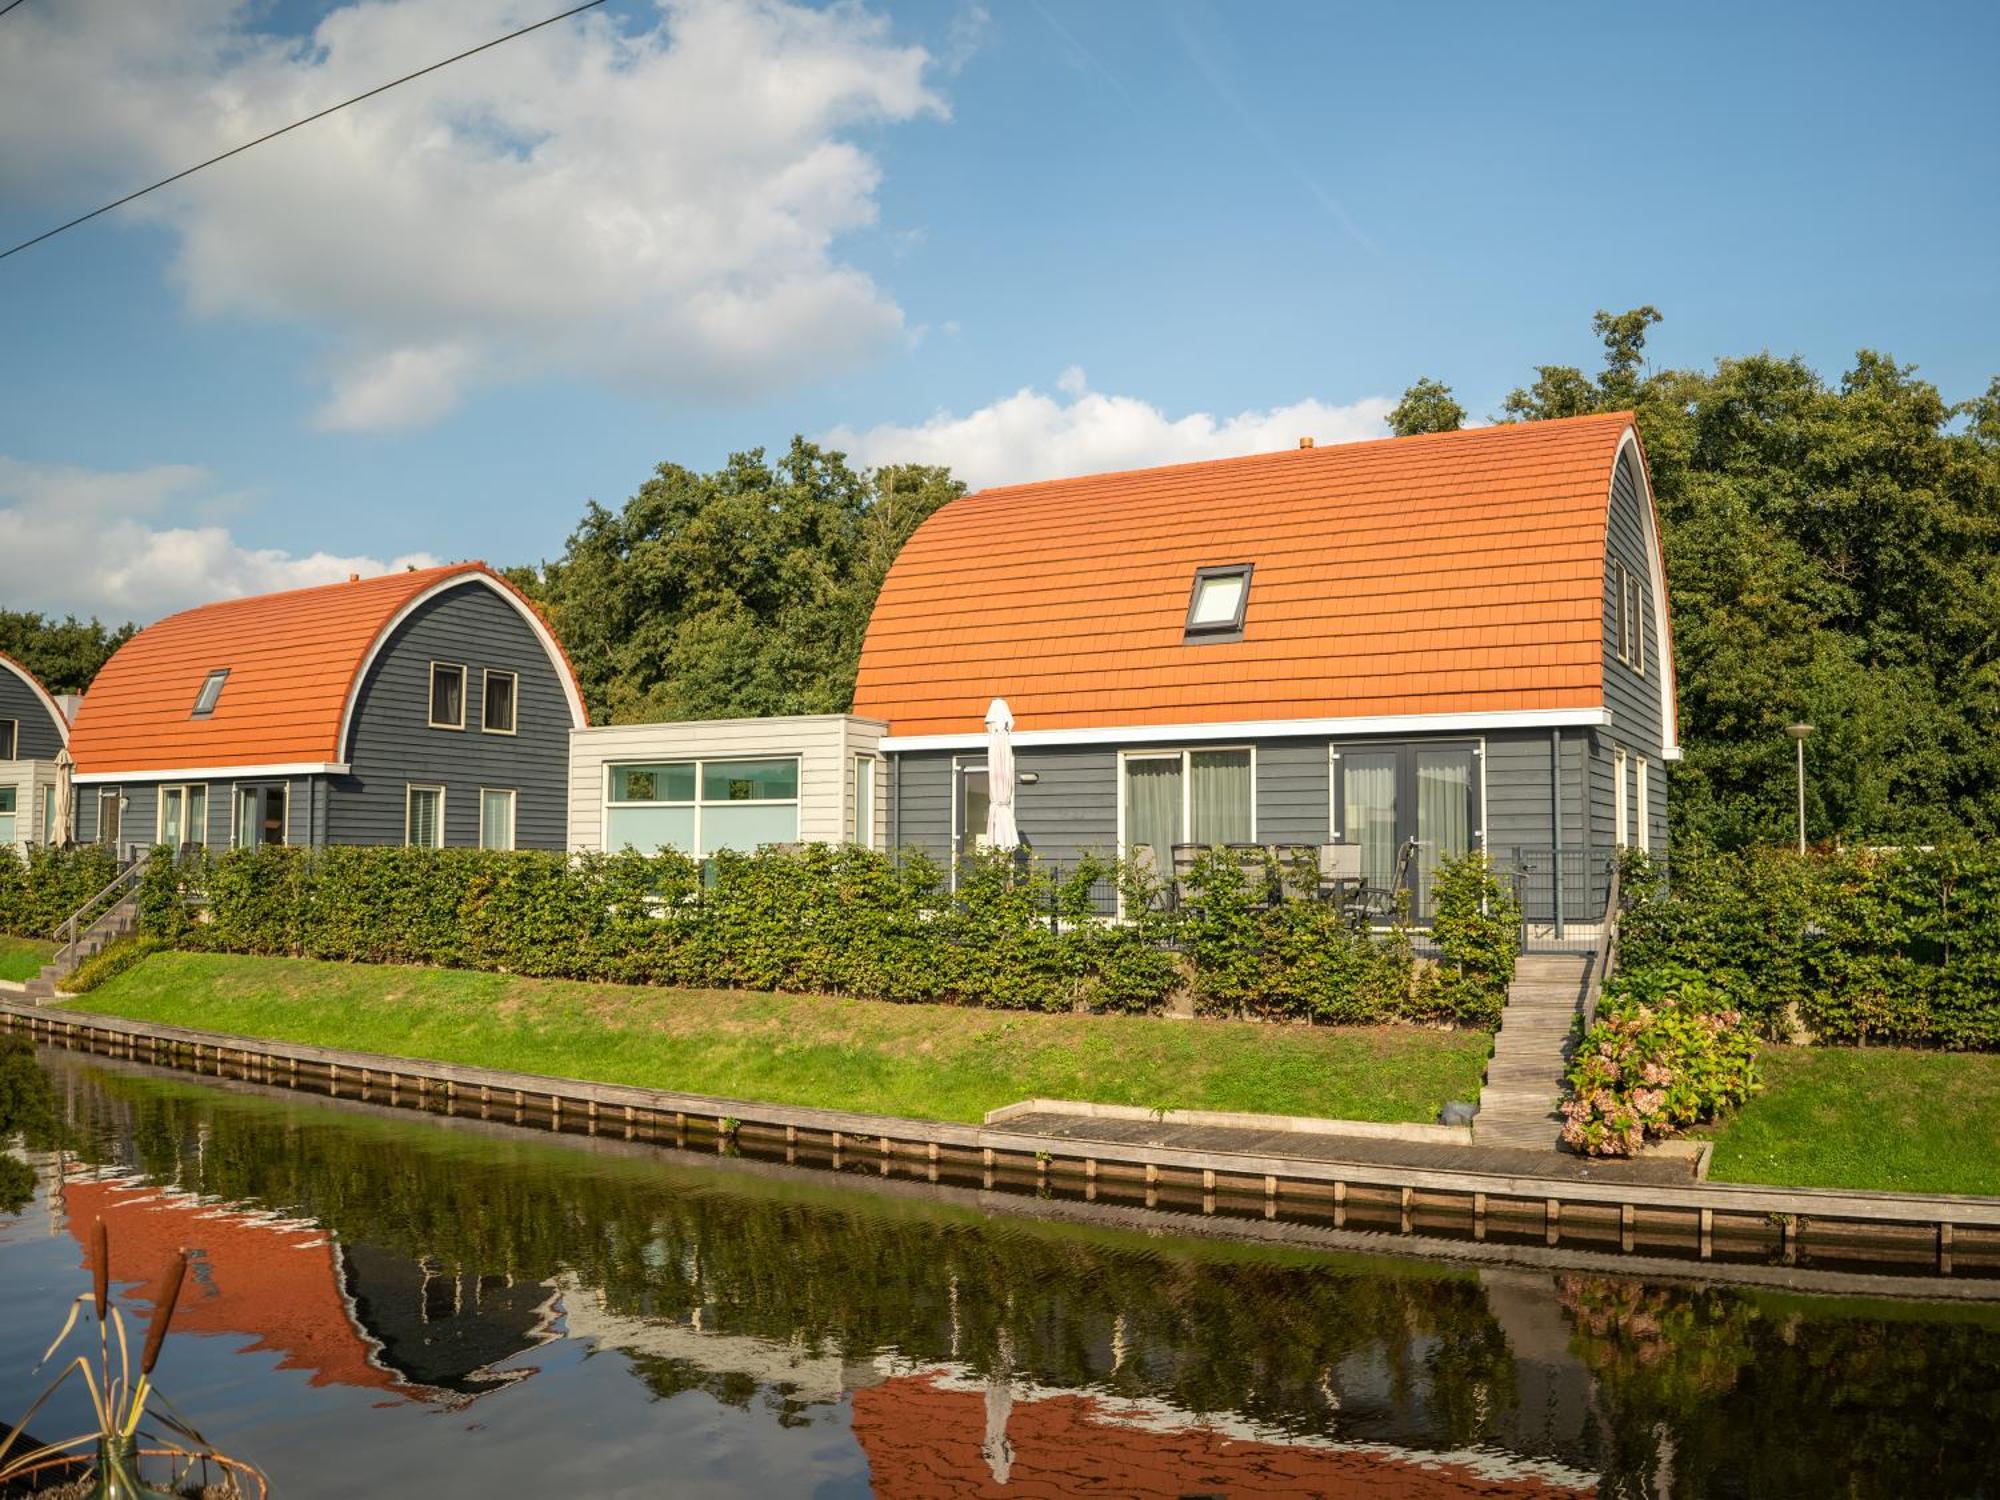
x=1476 y=924
x=107 y=963
x=1890 y=947
x=39 y=891
x=1660 y=1057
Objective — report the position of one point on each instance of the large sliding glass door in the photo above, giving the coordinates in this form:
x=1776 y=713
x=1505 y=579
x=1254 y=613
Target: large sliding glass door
x=1389 y=796
x=1205 y=797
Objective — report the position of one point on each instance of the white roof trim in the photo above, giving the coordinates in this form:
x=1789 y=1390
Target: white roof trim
x=213 y=773
x=577 y=718
x=8 y=664
x=1656 y=569
x=1351 y=728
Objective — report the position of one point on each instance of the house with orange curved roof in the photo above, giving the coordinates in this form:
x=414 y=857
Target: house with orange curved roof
x=1414 y=646
x=34 y=729
x=430 y=707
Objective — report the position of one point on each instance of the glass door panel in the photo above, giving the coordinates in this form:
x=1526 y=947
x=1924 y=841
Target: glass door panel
x=1444 y=817
x=170 y=816
x=1153 y=807
x=972 y=809
x=1369 y=811
x=107 y=818
x=1219 y=797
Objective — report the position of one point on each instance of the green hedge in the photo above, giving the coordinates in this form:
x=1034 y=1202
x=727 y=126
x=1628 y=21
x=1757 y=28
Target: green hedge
x=39 y=891
x=838 y=920
x=1888 y=947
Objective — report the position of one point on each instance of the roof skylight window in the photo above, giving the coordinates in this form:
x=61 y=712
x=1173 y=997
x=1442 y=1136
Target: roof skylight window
x=211 y=689
x=1215 y=608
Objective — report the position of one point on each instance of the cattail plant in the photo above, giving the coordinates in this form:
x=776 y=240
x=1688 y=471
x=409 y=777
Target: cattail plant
x=118 y=1402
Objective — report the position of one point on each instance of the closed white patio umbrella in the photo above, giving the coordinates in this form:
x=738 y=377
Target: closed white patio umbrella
x=1000 y=830
x=65 y=770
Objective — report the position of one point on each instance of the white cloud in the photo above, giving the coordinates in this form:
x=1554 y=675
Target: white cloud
x=656 y=207
x=86 y=542
x=1030 y=435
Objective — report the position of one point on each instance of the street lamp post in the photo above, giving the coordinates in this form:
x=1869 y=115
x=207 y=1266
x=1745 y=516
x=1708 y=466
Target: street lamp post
x=1798 y=733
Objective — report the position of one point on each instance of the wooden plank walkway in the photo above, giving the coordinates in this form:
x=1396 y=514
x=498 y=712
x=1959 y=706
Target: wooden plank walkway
x=1700 y=1221
x=1524 y=1077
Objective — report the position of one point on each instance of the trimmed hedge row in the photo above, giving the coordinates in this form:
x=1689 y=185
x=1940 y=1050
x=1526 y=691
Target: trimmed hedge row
x=38 y=892
x=839 y=920
x=1890 y=947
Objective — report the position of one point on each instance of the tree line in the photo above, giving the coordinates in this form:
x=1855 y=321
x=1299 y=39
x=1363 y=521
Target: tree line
x=1832 y=548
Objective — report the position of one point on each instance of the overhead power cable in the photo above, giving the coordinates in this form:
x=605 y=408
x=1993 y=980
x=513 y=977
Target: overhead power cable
x=284 y=129
x=9 y=6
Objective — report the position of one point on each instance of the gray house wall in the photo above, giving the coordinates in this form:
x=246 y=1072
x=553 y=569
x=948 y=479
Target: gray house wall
x=40 y=736
x=1633 y=696
x=305 y=809
x=392 y=747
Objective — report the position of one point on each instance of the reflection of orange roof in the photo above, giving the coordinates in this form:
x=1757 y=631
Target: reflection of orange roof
x=923 y=1440
x=294 y=660
x=1457 y=572
x=248 y=1275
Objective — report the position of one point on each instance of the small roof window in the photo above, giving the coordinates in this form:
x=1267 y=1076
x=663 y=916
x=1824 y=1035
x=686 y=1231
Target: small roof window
x=1215 y=608
x=211 y=689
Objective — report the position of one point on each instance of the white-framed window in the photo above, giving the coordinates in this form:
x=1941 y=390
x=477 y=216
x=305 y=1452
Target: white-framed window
x=49 y=831
x=259 y=814
x=7 y=817
x=499 y=701
x=447 y=696
x=1620 y=801
x=1217 y=602
x=211 y=691
x=10 y=739
x=1628 y=605
x=182 y=817
x=423 y=817
x=863 y=831
x=496 y=818
x=1168 y=797
x=1642 y=822
x=701 y=806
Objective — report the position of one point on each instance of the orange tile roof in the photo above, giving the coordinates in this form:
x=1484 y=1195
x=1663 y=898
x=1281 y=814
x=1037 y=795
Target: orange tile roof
x=292 y=659
x=1451 y=573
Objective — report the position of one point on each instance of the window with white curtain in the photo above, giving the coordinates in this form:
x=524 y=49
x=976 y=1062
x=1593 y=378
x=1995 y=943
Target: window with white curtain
x=423 y=819
x=1202 y=797
x=496 y=818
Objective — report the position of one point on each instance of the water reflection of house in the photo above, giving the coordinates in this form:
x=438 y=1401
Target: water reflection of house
x=945 y=1430
x=349 y=1315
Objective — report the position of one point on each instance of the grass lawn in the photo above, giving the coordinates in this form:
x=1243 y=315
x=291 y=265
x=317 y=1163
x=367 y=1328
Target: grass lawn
x=22 y=958
x=1867 y=1117
x=926 y=1061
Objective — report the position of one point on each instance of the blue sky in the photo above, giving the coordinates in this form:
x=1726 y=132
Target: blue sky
x=1186 y=228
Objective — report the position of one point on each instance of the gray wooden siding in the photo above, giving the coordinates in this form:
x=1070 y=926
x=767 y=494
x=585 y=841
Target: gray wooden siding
x=1633 y=696
x=305 y=809
x=920 y=802
x=1294 y=791
x=391 y=745
x=1072 y=807
x=1519 y=811
x=40 y=736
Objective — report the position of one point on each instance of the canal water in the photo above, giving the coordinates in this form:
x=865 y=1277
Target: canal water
x=387 y=1304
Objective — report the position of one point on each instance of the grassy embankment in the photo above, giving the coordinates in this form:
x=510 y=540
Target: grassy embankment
x=924 y=1061
x=22 y=958
x=1883 y=1118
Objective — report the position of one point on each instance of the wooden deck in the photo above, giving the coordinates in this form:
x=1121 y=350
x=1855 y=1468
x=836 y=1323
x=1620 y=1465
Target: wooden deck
x=1411 y=1194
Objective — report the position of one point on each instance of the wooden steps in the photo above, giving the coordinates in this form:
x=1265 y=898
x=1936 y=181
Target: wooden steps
x=1517 y=1107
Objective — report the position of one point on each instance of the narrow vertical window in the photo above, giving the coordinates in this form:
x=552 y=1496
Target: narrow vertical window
x=447 y=696
x=1642 y=829
x=1636 y=612
x=172 y=802
x=864 y=801
x=48 y=815
x=7 y=818
x=496 y=819
x=10 y=738
x=1619 y=802
x=496 y=702
x=196 y=831
x=423 y=817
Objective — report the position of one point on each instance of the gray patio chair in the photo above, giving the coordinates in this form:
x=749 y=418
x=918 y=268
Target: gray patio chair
x=1298 y=874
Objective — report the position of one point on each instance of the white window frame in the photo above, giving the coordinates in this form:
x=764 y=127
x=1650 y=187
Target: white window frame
x=1642 y=806
x=410 y=791
x=1187 y=785
x=701 y=764
x=430 y=694
x=187 y=789
x=861 y=815
x=486 y=676
x=47 y=817
x=513 y=797
x=13 y=740
x=1620 y=799
x=235 y=809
